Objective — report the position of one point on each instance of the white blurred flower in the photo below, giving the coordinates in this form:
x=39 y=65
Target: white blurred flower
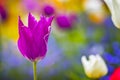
x=94 y=10
x=95 y=67
x=93 y=5
x=114 y=7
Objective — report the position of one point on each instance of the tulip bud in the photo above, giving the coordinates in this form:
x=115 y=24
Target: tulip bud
x=114 y=7
x=95 y=67
x=33 y=39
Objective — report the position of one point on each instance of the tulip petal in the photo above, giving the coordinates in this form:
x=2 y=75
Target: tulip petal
x=31 y=21
x=20 y=24
x=84 y=61
x=114 y=6
x=92 y=60
x=25 y=42
x=40 y=36
x=42 y=28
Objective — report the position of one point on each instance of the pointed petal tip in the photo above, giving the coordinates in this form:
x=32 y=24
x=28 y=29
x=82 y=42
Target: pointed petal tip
x=52 y=17
x=42 y=16
x=83 y=59
x=31 y=21
x=19 y=18
x=20 y=21
x=30 y=15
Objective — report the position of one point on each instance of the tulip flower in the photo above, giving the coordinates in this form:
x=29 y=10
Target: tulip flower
x=95 y=67
x=48 y=10
x=114 y=7
x=33 y=39
x=3 y=13
x=66 y=21
x=116 y=74
x=63 y=22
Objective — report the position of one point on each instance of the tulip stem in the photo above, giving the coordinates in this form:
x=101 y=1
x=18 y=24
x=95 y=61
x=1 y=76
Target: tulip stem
x=35 y=70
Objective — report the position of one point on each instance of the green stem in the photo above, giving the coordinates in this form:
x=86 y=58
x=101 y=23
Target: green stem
x=35 y=70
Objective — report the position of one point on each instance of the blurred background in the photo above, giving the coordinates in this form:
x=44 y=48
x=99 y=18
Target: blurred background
x=80 y=27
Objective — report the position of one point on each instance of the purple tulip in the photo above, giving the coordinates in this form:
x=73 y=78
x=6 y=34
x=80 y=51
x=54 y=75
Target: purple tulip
x=33 y=39
x=3 y=13
x=66 y=21
x=48 y=10
x=63 y=22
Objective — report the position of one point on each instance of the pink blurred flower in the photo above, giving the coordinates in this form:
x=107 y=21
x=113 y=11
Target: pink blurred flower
x=48 y=10
x=66 y=21
x=3 y=13
x=116 y=74
x=33 y=39
x=31 y=5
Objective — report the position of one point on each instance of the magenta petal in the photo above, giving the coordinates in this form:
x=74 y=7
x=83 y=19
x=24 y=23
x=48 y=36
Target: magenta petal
x=49 y=20
x=20 y=23
x=41 y=49
x=42 y=28
x=25 y=42
x=31 y=21
x=41 y=33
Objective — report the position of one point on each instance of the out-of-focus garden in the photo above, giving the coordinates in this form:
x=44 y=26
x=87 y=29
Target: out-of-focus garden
x=80 y=27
